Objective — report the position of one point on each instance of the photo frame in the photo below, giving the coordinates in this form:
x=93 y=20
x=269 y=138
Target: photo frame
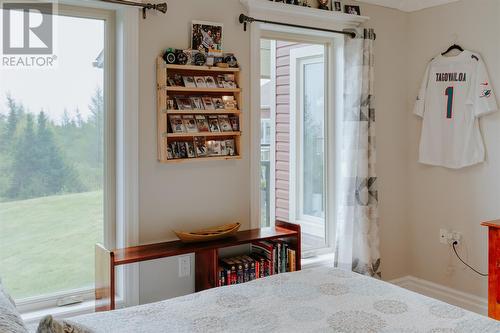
x=206 y=36
x=337 y=6
x=352 y=10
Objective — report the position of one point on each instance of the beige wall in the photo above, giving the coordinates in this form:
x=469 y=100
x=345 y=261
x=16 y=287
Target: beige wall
x=439 y=197
x=194 y=195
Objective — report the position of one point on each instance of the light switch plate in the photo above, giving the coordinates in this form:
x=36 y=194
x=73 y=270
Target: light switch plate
x=184 y=266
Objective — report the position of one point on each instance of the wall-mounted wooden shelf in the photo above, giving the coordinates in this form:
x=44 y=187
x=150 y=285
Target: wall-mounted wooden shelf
x=164 y=92
x=206 y=257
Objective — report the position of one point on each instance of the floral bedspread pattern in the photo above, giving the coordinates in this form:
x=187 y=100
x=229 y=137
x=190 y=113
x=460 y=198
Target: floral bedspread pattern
x=313 y=300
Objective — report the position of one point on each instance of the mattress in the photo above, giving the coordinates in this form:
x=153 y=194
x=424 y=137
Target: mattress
x=312 y=300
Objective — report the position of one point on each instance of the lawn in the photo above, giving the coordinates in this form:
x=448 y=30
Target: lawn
x=47 y=244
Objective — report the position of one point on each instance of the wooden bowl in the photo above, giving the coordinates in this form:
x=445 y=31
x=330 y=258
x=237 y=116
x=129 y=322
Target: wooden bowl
x=210 y=234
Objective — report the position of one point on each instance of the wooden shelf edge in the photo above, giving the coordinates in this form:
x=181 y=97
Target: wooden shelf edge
x=207 y=134
x=202 y=68
x=493 y=224
x=200 y=159
x=201 y=90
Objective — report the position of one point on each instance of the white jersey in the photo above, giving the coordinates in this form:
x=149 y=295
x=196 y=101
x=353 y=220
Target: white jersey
x=456 y=91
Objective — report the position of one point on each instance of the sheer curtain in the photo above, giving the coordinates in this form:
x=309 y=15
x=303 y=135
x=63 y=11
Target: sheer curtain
x=357 y=240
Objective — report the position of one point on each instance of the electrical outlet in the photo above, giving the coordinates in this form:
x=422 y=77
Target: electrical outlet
x=184 y=266
x=456 y=237
x=449 y=237
x=444 y=236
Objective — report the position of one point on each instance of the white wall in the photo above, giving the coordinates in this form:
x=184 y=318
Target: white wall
x=187 y=196
x=439 y=197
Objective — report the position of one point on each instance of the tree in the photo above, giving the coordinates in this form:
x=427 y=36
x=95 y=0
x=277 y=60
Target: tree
x=96 y=108
x=12 y=123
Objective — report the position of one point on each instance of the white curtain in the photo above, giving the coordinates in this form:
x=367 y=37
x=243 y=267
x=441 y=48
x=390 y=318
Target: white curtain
x=357 y=240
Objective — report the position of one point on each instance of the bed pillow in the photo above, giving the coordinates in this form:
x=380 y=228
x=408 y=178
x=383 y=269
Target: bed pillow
x=10 y=320
x=50 y=325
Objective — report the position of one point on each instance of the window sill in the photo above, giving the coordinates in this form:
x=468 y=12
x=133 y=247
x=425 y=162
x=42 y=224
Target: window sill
x=323 y=260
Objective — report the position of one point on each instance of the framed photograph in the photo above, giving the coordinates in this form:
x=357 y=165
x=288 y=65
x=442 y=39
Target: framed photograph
x=197 y=103
x=218 y=103
x=224 y=124
x=229 y=102
x=220 y=81
x=200 y=146
x=214 y=148
x=182 y=150
x=178 y=81
x=189 y=82
x=207 y=102
x=206 y=36
x=353 y=10
x=190 y=149
x=229 y=81
x=213 y=124
x=170 y=104
x=184 y=103
x=200 y=81
x=337 y=6
x=210 y=82
x=235 y=123
x=174 y=148
x=190 y=124
x=202 y=123
x=177 y=124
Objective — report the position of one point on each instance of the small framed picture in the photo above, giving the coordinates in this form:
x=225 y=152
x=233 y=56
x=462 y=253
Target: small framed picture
x=210 y=82
x=207 y=102
x=190 y=149
x=202 y=123
x=177 y=125
x=189 y=82
x=200 y=81
x=200 y=146
x=197 y=103
x=170 y=104
x=218 y=103
x=337 y=6
x=353 y=10
x=230 y=150
x=229 y=102
x=174 y=148
x=224 y=124
x=182 y=150
x=235 y=123
x=184 y=103
x=190 y=124
x=206 y=36
x=213 y=124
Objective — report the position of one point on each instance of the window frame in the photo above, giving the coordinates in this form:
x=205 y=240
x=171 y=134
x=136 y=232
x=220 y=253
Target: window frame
x=87 y=295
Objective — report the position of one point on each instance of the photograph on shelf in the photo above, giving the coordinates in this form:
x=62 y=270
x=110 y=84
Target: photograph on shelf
x=207 y=102
x=170 y=104
x=213 y=124
x=229 y=102
x=202 y=123
x=218 y=103
x=230 y=150
x=229 y=81
x=206 y=36
x=214 y=148
x=176 y=124
x=189 y=82
x=210 y=82
x=235 y=123
x=224 y=124
x=220 y=81
x=190 y=149
x=353 y=10
x=175 y=150
x=190 y=124
x=197 y=103
x=184 y=103
x=337 y=6
x=200 y=82
x=182 y=150
x=200 y=146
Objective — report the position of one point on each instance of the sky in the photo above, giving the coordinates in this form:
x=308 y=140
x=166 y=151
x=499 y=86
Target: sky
x=73 y=80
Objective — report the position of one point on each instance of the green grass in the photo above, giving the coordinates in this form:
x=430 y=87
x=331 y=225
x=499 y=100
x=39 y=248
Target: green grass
x=47 y=244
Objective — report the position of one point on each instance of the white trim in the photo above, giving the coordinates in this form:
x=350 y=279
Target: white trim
x=408 y=5
x=449 y=295
x=272 y=159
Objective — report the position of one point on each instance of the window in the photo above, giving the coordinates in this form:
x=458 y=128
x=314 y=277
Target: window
x=57 y=162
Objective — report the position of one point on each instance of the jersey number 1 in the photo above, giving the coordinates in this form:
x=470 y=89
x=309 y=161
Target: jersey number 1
x=449 y=108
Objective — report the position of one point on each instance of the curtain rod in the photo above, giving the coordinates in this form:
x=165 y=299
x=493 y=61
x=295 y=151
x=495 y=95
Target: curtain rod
x=161 y=7
x=247 y=19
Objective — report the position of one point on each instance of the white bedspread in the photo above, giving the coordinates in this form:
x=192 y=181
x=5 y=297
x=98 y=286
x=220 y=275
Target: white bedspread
x=314 y=300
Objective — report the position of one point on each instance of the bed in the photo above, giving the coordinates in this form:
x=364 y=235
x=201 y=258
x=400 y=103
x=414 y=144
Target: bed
x=312 y=300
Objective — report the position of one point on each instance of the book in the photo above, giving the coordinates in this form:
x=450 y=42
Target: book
x=184 y=103
x=176 y=124
x=190 y=124
x=208 y=103
x=175 y=150
x=267 y=250
x=190 y=149
x=218 y=103
x=224 y=124
x=210 y=82
x=230 y=147
x=182 y=150
x=213 y=124
x=197 y=103
x=214 y=148
x=200 y=146
x=170 y=155
x=235 y=123
x=202 y=123
x=229 y=102
x=189 y=81
x=200 y=82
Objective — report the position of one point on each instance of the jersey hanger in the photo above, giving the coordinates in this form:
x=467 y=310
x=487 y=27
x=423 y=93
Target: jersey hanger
x=453 y=47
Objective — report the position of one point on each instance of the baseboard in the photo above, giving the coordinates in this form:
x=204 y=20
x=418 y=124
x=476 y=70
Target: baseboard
x=452 y=296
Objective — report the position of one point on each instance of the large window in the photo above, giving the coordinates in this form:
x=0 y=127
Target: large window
x=56 y=161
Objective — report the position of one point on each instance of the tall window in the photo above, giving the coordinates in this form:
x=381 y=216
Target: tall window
x=56 y=190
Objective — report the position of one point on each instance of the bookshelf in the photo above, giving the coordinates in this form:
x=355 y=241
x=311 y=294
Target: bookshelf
x=166 y=92
x=206 y=257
